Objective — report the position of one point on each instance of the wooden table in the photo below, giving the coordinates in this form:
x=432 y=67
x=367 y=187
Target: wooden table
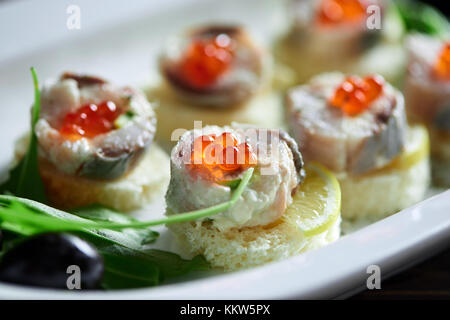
x=428 y=280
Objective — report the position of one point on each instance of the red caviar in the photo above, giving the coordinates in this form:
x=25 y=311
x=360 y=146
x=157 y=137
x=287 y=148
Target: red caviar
x=341 y=11
x=206 y=60
x=222 y=155
x=442 y=66
x=355 y=95
x=90 y=120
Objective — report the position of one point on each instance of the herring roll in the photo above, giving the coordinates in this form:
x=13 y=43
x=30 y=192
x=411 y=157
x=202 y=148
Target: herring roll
x=206 y=164
x=216 y=74
x=352 y=36
x=357 y=128
x=215 y=66
x=90 y=128
x=427 y=95
x=92 y=138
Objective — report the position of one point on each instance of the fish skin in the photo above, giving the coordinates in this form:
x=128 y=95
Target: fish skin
x=342 y=143
x=427 y=98
x=264 y=200
x=347 y=41
x=106 y=156
x=250 y=72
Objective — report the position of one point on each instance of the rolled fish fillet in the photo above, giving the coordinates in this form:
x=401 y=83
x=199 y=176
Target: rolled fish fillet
x=357 y=128
x=427 y=96
x=92 y=131
x=265 y=223
x=279 y=166
x=318 y=23
x=342 y=35
x=216 y=74
x=354 y=144
x=217 y=66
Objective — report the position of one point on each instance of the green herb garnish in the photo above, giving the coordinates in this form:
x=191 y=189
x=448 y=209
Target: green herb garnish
x=30 y=215
x=423 y=18
x=123 y=119
x=126 y=268
x=24 y=180
x=233 y=184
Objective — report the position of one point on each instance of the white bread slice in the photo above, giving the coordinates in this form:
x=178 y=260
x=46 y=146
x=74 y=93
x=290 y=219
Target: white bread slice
x=241 y=248
x=252 y=246
x=378 y=194
x=147 y=180
x=381 y=195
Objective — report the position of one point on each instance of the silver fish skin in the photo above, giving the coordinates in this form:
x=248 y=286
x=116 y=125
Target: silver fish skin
x=107 y=156
x=251 y=68
x=346 y=39
x=427 y=97
x=276 y=178
x=352 y=144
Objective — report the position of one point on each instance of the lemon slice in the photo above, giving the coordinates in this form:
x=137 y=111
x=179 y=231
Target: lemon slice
x=317 y=204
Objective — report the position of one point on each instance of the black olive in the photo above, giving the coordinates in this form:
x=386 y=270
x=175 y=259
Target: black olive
x=43 y=261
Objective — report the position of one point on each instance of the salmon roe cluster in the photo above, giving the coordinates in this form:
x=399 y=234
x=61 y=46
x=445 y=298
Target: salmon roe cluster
x=442 y=65
x=355 y=95
x=90 y=120
x=222 y=155
x=206 y=60
x=341 y=11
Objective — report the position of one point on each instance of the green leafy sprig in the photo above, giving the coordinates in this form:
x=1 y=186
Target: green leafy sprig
x=28 y=216
x=421 y=17
x=24 y=180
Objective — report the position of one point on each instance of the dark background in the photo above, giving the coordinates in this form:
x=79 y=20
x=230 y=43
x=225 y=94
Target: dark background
x=442 y=5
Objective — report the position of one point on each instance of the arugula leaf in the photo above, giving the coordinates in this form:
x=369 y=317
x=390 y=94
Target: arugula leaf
x=128 y=264
x=126 y=268
x=24 y=180
x=173 y=266
x=9 y=240
x=423 y=18
x=170 y=263
x=28 y=217
x=10 y=206
x=99 y=213
x=123 y=272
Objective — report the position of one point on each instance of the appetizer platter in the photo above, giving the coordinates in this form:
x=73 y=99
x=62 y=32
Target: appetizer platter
x=186 y=152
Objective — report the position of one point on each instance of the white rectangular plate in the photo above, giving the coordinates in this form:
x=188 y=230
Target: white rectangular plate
x=120 y=41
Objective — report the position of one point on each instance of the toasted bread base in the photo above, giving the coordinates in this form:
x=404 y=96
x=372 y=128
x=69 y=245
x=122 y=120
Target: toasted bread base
x=148 y=179
x=384 y=193
x=248 y=247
